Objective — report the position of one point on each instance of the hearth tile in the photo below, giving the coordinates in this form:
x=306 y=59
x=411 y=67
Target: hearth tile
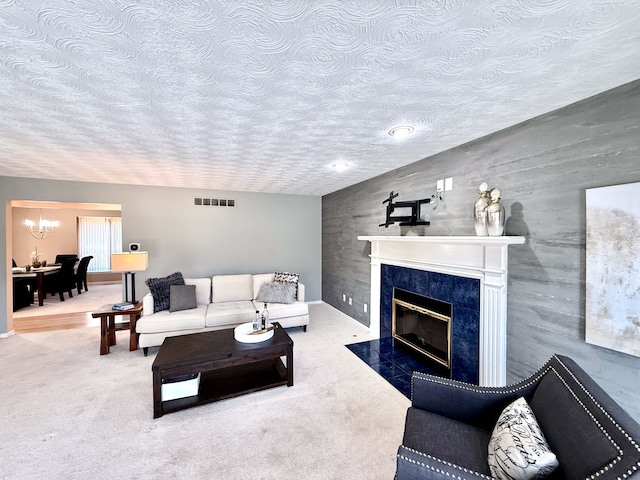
x=392 y=364
x=387 y=370
x=466 y=324
x=364 y=351
x=466 y=293
x=374 y=344
x=441 y=286
x=391 y=353
x=409 y=365
x=466 y=341
x=359 y=347
x=385 y=343
x=402 y=383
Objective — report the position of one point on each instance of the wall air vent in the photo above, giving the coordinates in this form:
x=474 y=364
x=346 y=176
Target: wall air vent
x=213 y=202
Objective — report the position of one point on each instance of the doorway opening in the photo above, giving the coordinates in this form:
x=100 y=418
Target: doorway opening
x=103 y=287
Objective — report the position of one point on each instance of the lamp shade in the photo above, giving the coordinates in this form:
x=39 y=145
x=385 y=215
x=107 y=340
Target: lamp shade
x=129 y=261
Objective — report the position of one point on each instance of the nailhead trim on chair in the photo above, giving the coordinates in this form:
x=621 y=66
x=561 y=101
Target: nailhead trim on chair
x=593 y=419
x=488 y=390
x=431 y=467
x=533 y=379
x=631 y=440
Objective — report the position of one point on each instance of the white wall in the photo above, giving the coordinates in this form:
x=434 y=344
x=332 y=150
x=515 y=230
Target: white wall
x=263 y=233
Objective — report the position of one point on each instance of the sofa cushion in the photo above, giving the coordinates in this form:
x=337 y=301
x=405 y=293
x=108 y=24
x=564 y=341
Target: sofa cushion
x=287 y=277
x=159 y=288
x=447 y=439
x=203 y=289
x=231 y=288
x=277 y=292
x=518 y=449
x=282 y=310
x=572 y=433
x=229 y=313
x=259 y=280
x=166 y=321
x=182 y=297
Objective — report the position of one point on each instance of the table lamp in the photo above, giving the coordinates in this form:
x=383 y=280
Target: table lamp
x=128 y=263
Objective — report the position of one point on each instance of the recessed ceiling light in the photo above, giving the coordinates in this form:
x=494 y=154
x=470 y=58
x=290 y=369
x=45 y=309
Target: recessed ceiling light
x=401 y=131
x=340 y=165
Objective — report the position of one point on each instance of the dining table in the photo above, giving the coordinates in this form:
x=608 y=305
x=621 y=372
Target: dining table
x=39 y=274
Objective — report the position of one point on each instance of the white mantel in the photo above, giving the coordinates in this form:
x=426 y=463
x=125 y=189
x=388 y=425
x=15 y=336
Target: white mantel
x=483 y=258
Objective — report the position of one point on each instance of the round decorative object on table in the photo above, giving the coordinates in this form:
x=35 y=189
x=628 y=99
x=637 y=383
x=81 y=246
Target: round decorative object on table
x=36 y=264
x=480 y=210
x=244 y=333
x=495 y=215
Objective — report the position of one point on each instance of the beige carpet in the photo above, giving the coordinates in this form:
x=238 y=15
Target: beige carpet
x=88 y=301
x=69 y=413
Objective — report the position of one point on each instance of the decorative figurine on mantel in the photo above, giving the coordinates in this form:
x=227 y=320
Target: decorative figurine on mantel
x=495 y=215
x=480 y=210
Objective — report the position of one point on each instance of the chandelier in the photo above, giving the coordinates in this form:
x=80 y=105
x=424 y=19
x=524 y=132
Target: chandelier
x=44 y=229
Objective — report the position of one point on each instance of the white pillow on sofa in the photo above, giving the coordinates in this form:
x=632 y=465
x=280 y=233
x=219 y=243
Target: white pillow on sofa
x=231 y=288
x=518 y=449
x=258 y=280
x=203 y=289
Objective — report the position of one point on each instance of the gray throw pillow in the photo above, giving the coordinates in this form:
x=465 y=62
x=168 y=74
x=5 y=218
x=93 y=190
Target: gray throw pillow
x=159 y=288
x=277 y=292
x=182 y=297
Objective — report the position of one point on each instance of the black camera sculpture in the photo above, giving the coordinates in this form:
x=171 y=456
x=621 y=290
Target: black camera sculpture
x=405 y=220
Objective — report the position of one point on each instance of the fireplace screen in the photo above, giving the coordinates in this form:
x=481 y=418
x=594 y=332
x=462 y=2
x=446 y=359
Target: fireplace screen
x=423 y=329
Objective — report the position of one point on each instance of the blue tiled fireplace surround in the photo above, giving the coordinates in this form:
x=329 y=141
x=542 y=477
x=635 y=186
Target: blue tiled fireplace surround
x=464 y=296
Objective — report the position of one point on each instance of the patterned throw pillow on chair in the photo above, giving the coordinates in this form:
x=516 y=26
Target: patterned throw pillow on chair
x=518 y=449
x=286 y=277
x=160 y=289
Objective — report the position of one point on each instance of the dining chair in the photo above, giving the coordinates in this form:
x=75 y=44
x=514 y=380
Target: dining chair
x=63 y=280
x=61 y=257
x=80 y=278
x=23 y=289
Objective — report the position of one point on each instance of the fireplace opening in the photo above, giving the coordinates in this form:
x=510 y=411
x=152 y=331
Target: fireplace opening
x=422 y=324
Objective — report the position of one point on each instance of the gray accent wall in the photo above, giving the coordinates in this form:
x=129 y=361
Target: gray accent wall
x=542 y=167
x=263 y=233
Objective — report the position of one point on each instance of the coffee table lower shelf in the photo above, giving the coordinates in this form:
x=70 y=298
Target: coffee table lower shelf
x=228 y=382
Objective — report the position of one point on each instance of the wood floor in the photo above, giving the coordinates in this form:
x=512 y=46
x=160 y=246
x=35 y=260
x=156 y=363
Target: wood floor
x=73 y=313
x=47 y=323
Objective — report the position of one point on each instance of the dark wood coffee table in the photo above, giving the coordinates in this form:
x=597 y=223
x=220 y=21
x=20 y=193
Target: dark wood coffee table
x=228 y=368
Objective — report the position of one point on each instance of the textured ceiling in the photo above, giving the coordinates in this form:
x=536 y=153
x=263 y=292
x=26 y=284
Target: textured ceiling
x=264 y=96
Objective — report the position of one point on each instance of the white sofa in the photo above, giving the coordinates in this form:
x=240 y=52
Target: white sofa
x=223 y=301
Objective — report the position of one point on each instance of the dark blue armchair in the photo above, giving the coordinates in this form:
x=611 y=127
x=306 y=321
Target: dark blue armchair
x=449 y=425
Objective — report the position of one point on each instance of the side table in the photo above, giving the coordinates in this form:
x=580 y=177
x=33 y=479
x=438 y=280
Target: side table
x=108 y=326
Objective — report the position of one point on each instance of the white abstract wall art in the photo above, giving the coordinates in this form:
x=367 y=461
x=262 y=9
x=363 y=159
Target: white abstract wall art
x=613 y=268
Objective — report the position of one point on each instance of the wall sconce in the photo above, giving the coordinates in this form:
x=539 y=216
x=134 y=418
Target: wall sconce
x=128 y=263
